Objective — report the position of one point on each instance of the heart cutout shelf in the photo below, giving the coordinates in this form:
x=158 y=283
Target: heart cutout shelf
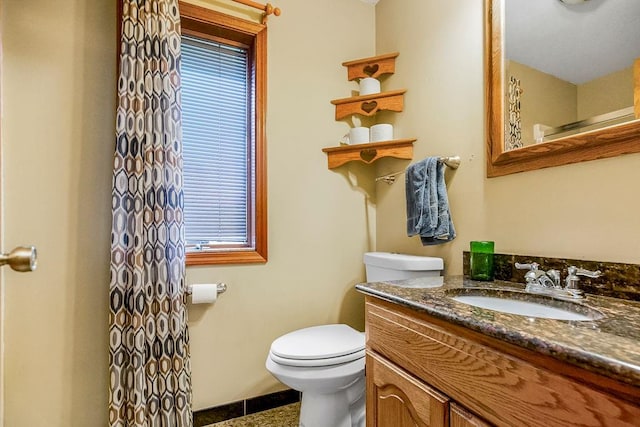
x=369 y=153
x=369 y=105
x=374 y=66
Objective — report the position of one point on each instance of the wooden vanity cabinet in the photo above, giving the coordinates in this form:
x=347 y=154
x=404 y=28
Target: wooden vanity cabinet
x=423 y=371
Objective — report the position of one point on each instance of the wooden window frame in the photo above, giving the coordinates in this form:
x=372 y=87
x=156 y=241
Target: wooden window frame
x=207 y=23
x=204 y=21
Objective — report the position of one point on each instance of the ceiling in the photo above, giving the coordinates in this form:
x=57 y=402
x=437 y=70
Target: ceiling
x=576 y=43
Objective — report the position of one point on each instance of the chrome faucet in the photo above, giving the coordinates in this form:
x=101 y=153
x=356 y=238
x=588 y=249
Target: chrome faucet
x=541 y=282
x=537 y=277
x=571 y=282
x=550 y=279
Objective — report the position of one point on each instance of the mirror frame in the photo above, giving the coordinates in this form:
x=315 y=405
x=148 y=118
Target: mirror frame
x=596 y=144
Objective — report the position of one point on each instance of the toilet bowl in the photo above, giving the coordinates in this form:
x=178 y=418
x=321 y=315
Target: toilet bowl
x=326 y=363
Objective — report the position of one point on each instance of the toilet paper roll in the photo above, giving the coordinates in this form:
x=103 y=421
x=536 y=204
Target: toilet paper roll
x=381 y=132
x=369 y=86
x=358 y=135
x=204 y=293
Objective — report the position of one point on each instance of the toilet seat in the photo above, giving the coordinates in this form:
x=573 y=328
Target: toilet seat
x=318 y=346
x=339 y=360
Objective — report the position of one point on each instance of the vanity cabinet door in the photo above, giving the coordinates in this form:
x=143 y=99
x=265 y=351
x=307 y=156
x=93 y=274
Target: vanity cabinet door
x=460 y=417
x=397 y=399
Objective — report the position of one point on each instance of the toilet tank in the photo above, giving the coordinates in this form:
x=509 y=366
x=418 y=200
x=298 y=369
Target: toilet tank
x=382 y=266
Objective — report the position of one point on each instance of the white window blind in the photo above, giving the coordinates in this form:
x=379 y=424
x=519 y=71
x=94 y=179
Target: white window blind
x=216 y=95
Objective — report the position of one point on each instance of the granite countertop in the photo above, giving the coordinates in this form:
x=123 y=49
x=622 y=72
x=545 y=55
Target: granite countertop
x=609 y=345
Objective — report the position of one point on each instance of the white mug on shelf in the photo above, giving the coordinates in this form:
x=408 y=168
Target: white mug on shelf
x=381 y=132
x=356 y=135
x=369 y=86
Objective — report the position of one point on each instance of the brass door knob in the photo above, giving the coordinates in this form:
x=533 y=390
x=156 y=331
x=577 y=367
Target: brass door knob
x=22 y=258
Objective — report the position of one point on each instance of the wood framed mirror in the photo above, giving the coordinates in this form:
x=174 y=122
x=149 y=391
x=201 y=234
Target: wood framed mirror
x=585 y=144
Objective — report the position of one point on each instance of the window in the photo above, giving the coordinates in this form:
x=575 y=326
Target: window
x=223 y=81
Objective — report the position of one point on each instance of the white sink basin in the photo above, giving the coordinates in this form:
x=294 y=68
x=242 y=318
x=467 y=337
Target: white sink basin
x=540 y=308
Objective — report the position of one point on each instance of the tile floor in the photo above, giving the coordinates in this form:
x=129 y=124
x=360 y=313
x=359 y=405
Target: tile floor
x=284 y=416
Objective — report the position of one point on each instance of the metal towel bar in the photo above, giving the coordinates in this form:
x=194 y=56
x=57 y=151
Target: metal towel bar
x=453 y=162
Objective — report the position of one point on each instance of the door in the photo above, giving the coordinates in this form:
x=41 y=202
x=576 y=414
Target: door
x=20 y=259
x=1 y=240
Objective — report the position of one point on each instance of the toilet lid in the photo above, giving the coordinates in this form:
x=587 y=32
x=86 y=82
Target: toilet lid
x=320 y=342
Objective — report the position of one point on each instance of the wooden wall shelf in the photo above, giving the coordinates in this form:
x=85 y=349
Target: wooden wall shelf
x=368 y=105
x=369 y=153
x=374 y=66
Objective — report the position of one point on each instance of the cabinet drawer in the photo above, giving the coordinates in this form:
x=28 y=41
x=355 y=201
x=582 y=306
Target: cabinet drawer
x=501 y=388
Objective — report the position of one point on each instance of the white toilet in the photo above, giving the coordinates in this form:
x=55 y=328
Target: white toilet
x=326 y=363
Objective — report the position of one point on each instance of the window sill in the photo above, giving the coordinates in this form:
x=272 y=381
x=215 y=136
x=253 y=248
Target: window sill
x=216 y=258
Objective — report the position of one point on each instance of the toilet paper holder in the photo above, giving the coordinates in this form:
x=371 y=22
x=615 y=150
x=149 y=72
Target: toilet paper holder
x=220 y=288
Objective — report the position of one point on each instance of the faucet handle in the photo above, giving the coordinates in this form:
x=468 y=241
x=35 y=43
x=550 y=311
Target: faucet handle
x=530 y=266
x=583 y=272
x=573 y=279
x=531 y=276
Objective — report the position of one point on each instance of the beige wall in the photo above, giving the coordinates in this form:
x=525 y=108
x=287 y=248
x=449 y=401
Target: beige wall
x=545 y=99
x=583 y=211
x=440 y=65
x=320 y=221
x=57 y=135
x=605 y=94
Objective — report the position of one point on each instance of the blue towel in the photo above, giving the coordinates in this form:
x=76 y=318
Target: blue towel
x=428 y=212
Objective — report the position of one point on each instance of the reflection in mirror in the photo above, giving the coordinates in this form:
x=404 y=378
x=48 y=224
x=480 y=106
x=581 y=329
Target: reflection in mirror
x=562 y=82
x=569 y=67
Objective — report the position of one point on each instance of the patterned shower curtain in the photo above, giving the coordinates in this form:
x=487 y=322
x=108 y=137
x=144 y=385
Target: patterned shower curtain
x=149 y=368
